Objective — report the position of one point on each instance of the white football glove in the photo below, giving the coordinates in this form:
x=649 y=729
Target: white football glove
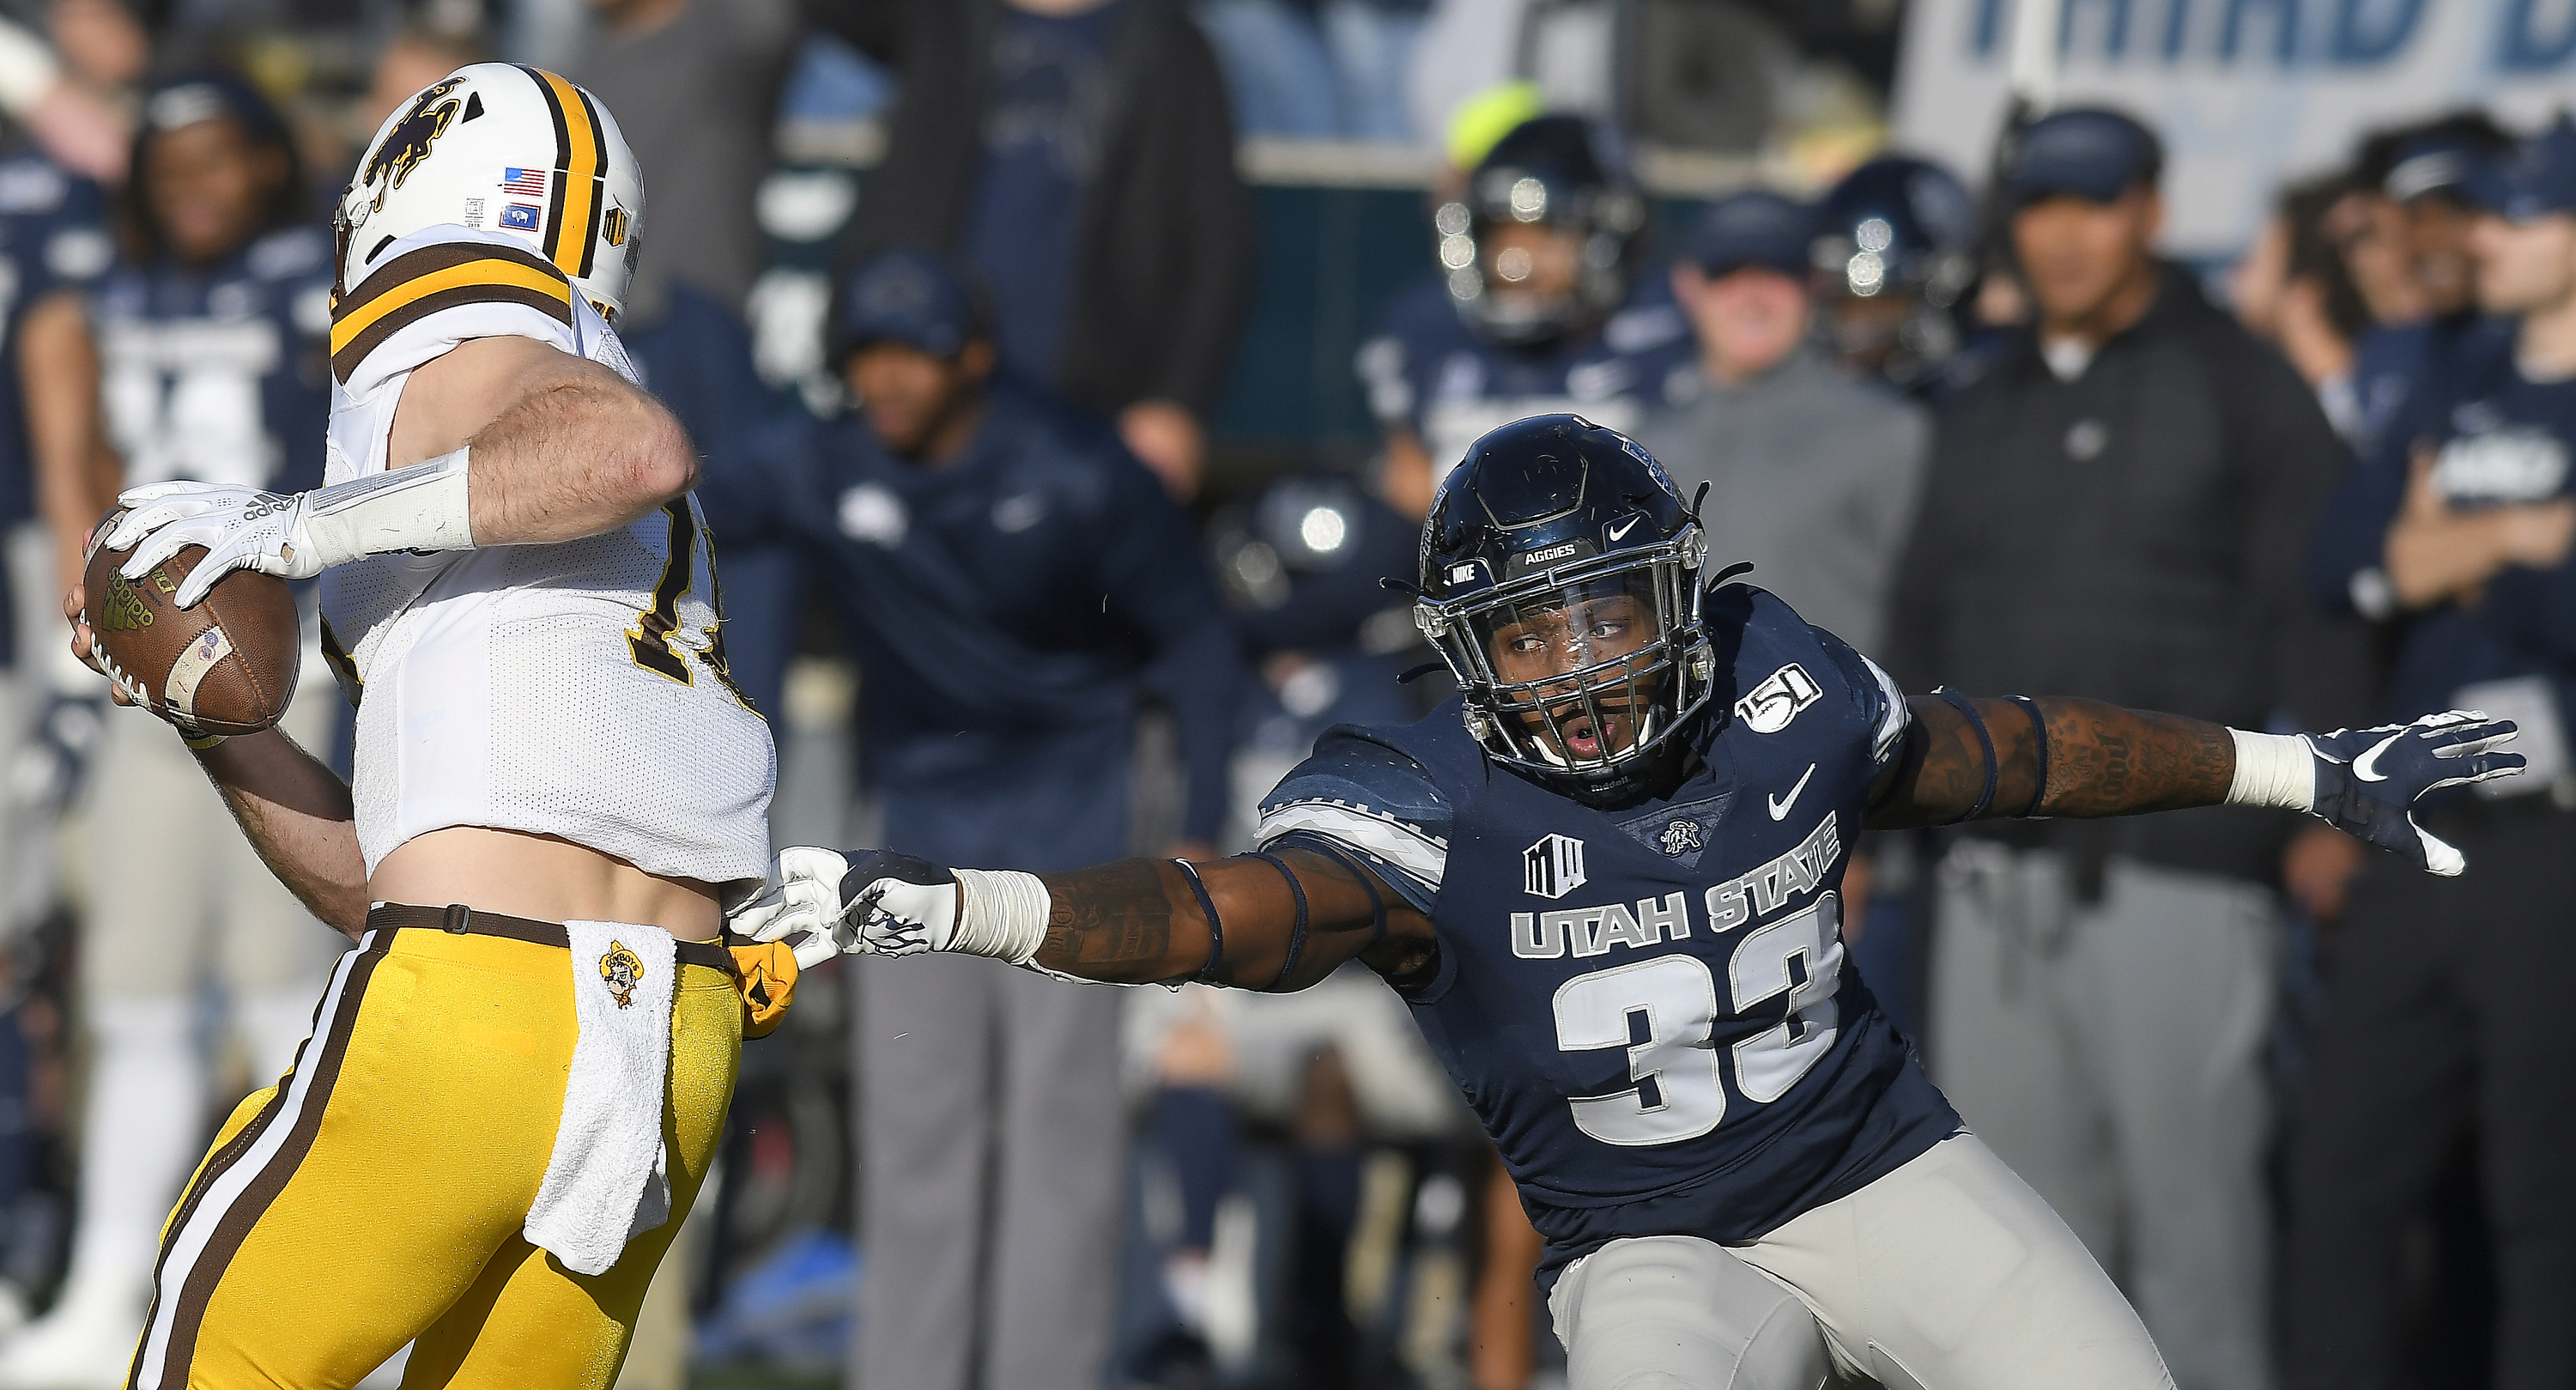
x=882 y=903
x=800 y=905
x=298 y=535
x=240 y=527
x=904 y=905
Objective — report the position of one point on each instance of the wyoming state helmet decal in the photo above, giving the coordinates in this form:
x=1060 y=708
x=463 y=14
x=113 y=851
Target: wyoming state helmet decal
x=401 y=149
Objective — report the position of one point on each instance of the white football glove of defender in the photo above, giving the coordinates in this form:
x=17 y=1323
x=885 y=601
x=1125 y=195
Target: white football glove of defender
x=2365 y=782
x=881 y=903
x=293 y=535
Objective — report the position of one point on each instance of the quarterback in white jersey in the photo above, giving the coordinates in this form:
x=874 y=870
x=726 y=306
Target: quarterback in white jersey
x=516 y=1080
x=531 y=688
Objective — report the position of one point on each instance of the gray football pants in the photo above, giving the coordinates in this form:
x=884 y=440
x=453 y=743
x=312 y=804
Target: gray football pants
x=2111 y=1053
x=1947 y=1274
x=992 y=1144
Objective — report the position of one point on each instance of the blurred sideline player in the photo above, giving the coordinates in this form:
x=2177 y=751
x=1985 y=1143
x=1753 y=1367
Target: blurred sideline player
x=1011 y=580
x=50 y=238
x=1606 y=881
x=1537 y=307
x=519 y=592
x=1895 y=250
x=2441 y=1015
x=53 y=476
x=211 y=333
x=2406 y=241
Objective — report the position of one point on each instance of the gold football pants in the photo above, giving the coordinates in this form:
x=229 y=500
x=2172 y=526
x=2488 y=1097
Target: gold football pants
x=375 y=1195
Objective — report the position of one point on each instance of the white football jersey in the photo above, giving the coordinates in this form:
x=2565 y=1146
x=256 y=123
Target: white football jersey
x=577 y=689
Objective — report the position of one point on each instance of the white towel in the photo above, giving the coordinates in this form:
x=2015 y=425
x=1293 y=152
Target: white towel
x=609 y=1179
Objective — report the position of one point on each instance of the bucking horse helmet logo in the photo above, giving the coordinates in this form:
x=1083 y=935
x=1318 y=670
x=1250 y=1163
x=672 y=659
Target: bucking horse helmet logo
x=407 y=144
x=622 y=969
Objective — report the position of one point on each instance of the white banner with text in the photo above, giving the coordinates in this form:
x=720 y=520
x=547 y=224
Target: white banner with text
x=2245 y=93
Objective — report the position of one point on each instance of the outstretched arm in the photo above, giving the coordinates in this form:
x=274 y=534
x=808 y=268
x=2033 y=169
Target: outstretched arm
x=1262 y=925
x=1138 y=922
x=2052 y=756
x=2102 y=760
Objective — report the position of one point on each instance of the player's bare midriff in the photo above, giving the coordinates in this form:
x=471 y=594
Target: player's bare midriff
x=541 y=877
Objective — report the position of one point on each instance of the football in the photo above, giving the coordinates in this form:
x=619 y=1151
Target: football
x=226 y=666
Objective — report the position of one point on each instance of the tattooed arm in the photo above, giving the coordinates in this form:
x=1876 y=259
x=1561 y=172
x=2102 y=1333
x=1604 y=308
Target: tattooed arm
x=1133 y=922
x=2102 y=761
x=1137 y=922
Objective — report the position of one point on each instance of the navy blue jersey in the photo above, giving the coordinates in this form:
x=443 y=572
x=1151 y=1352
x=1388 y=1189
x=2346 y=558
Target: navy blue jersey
x=2496 y=437
x=1428 y=372
x=50 y=238
x=1009 y=607
x=1649 y=1007
x=221 y=373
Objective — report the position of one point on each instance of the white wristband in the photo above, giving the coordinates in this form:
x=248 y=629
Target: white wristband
x=1000 y=913
x=423 y=507
x=2273 y=770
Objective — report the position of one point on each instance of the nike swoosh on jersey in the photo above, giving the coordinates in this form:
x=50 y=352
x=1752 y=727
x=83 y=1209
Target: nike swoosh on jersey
x=1623 y=528
x=1779 y=808
x=2366 y=767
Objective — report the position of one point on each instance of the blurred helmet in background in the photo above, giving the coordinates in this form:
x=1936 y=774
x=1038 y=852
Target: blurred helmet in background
x=1895 y=250
x=507 y=149
x=1562 y=175
x=1300 y=562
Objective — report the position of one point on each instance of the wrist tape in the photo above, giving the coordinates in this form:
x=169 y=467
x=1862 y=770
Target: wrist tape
x=422 y=507
x=1000 y=913
x=2273 y=770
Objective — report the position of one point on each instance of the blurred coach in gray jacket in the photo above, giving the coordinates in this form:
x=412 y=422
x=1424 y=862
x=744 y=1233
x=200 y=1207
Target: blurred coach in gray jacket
x=1815 y=475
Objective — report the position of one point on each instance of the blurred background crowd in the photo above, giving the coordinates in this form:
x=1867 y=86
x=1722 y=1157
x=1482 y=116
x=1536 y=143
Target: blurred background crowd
x=1068 y=372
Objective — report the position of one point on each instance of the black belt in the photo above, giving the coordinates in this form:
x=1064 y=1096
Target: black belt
x=460 y=920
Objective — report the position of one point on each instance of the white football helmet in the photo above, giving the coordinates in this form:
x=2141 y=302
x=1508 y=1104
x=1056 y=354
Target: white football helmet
x=508 y=148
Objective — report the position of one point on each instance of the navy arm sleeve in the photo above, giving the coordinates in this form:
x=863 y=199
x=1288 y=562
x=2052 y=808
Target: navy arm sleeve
x=1358 y=797
x=1155 y=580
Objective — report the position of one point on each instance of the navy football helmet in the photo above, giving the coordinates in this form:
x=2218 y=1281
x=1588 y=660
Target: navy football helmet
x=1561 y=584
x=1900 y=232
x=1560 y=172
